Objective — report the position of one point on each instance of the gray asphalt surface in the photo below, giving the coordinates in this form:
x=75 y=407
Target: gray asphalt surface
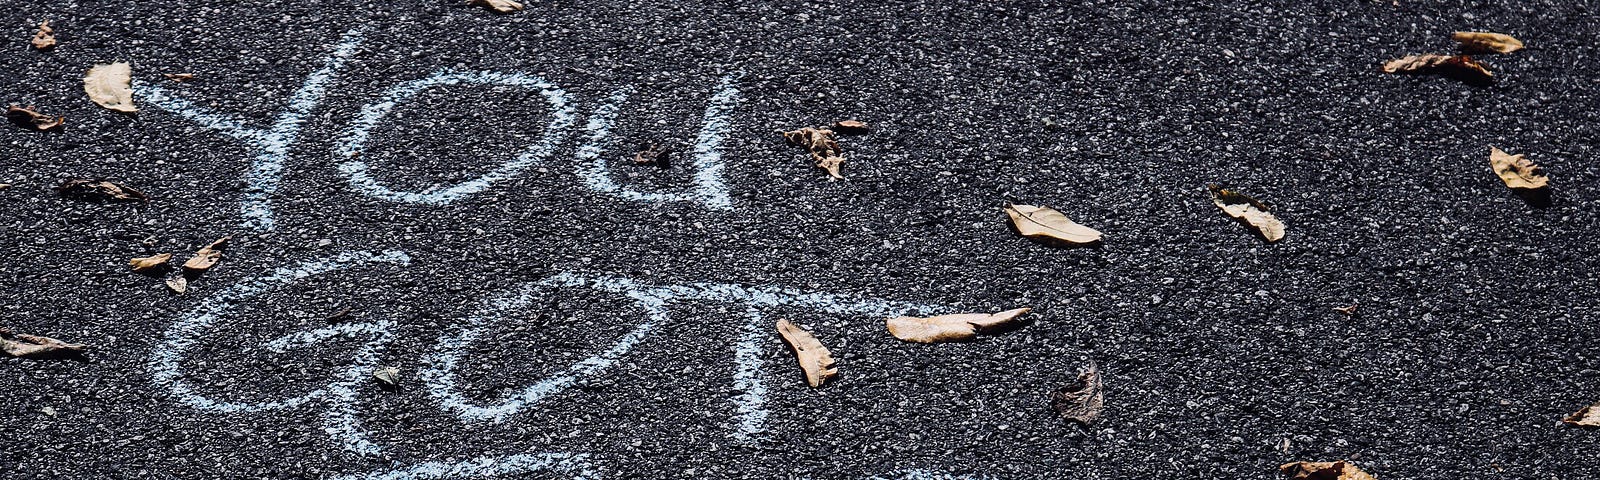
x=1222 y=355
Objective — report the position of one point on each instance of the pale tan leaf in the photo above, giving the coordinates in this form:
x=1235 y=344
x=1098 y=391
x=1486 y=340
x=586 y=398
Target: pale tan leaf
x=1081 y=401
x=21 y=345
x=851 y=126
x=499 y=6
x=1487 y=42
x=31 y=118
x=206 y=257
x=946 y=328
x=177 y=283
x=45 y=38
x=1461 y=66
x=387 y=376
x=110 y=86
x=150 y=263
x=1038 y=222
x=179 y=77
x=1585 y=417
x=99 y=189
x=832 y=164
x=814 y=358
x=1340 y=470
x=825 y=153
x=1517 y=171
x=1252 y=212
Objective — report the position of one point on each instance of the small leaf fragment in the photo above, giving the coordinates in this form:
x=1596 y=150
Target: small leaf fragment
x=1585 y=417
x=1516 y=171
x=1252 y=212
x=150 y=263
x=652 y=154
x=825 y=153
x=498 y=6
x=1083 y=400
x=177 y=283
x=851 y=126
x=179 y=77
x=814 y=358
x=1461 y=66
x=1340 y=470
x=1348 y=309
x=1038 y=222
x=206 y=257
x=30 y=118
x=1487 y=42
x=110 y=86
x=21 y=345
x=99 y=189
x=387 y=376
x=45 y=38
x=947 y=328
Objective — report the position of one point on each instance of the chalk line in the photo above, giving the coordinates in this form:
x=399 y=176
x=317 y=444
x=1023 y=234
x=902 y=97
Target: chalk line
x=576 y=465
x=751 y=403
x=270 y=147
x=340 y=420
x=709 y=188
x=354 y=141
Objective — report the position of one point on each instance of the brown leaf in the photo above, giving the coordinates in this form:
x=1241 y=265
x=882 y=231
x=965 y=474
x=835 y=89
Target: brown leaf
x=1460 y=66
x=99 y=189
x=150 y=263
x=1081 y=401
x=1585 y=417
x=814 y=358
x=207 y=256
x=946 y=328
x=30 y=118
x=110 y=86
x=499 y=6
x=21 y=345
x=178 y=283
x=179 y=77
x=45 y=38
x=1339 y=470
x=825 y=153
x=851 y=126
x=1487 y=42
x=1516 y=171
x=1347 y=309
x=1046 y=223
x=1252 y=212
x=652 y=154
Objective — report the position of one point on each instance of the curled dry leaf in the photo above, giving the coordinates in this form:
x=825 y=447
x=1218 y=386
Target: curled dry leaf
x=99 y=189
x=814 y=358
x=110 y=86
x=1487 y=42
x=1516 y=171
x=45 y=38
x=1461 y=66
x=850 y=126
x=1252 y=212
x=1348 y=309
x=946 y=328
x=207 y=256
x=177 y=283
x=652 y=154
x=179 y=77
x=1340 y=470
x=825 y=153
x=31 y=118
x=387 y=376
x=1585 y=417
x=150 y=263
x=1046 y=223
x=1081 y=401
x=499 y=6
x=21 y=345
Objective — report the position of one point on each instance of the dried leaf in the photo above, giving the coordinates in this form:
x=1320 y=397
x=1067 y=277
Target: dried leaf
x=387 y=376
x=206 y=257
x=1347 y=309
x=1516 y=171
x=499 y=6
x=1339 y=470
x=1461 y=66
x=814 y=358
x=1038 y=222
x=179 y=77
x=99 y=189
x=178 y=283
x=825 y=153
x=150 y=263
x=946 y=328
x=652 y=154
x=21 y=345
x=110 y=86
x=45 y=38
x=1083 y=400
x=831 y=164
x=30 y=118
x=851 y=126
x=1252 y=212
x=1487 y=42
x=1585 y=417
